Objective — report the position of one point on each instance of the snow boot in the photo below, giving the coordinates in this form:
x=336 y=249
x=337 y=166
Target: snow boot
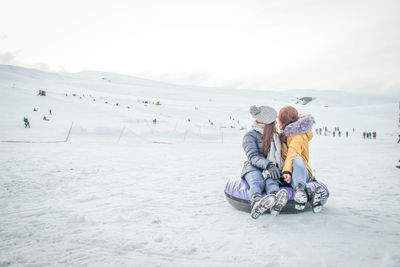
x=259 y=205
x=281 y=201
x=300 y=197
x=318 y=199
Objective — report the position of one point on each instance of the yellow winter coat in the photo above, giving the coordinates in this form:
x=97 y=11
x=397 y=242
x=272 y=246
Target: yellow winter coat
x=296 y=145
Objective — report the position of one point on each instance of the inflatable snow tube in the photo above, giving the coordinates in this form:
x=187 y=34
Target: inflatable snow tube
x=236 y=192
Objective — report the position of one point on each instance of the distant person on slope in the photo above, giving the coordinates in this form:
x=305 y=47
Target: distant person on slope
x=26 y=122
x=296 y=133
x=264 y=163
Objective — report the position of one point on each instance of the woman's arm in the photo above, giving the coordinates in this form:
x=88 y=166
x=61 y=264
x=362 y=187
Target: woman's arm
x=255 y=158
x=295 y=147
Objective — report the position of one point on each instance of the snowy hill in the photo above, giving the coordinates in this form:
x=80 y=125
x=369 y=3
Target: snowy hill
x=105 y=103
x=111 y=197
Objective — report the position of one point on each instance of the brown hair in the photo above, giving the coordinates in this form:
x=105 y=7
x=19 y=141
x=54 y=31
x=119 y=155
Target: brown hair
x=268 y=135
x=286 y=116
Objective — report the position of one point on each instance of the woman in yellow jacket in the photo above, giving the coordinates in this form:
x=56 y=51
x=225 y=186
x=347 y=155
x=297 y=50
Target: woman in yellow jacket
x=296 y=133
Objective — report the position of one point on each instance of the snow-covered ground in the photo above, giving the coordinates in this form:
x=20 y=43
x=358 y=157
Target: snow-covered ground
x=110 y=196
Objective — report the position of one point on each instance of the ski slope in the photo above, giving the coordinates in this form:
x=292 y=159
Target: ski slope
x=110 y=196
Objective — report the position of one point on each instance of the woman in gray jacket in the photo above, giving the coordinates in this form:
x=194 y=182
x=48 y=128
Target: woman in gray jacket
x=264 y=163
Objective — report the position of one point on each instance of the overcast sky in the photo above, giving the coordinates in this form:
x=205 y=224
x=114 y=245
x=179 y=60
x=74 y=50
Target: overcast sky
x=254 y=44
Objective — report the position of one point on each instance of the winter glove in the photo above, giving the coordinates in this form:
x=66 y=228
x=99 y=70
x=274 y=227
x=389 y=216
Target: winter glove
x=272 y=172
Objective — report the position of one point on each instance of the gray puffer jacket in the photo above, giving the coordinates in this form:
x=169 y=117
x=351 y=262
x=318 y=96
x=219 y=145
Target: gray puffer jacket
x=252 y=145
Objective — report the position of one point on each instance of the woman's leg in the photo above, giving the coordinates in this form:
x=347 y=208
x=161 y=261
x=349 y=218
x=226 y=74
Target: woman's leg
x=256 y=183
x=300 y=177
x=300 y=173
x=271 y=185
x=259 y=204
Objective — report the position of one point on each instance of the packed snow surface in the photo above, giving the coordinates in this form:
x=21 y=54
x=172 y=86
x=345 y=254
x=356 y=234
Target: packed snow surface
x=127 y=191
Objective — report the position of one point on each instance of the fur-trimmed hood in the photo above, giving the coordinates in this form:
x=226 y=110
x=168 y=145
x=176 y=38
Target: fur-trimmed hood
x=301 y=126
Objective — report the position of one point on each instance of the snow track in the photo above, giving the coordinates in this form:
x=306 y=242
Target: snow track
x=109 y=204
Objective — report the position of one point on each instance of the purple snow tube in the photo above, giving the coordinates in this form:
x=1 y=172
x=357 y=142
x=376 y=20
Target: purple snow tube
x=237 y=194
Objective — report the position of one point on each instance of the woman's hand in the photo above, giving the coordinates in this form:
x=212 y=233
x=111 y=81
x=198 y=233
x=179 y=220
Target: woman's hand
x=274 y=171
x=287 y=177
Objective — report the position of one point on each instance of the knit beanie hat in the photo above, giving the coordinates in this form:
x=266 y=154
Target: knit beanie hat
x=263 y=114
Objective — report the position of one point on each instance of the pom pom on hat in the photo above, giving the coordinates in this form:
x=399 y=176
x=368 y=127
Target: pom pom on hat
x=254 y=110
x=263 y=114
